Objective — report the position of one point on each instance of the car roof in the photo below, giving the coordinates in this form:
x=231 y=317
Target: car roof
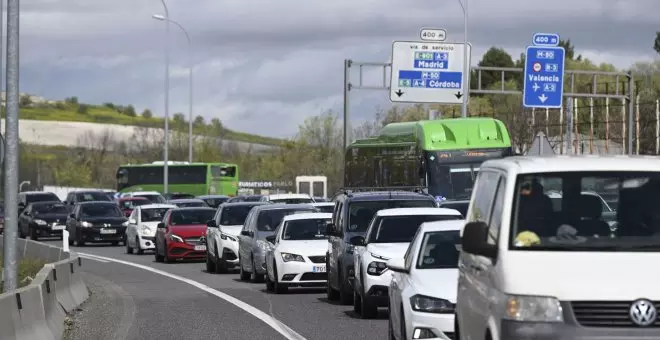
x=135 y=198
x=577 y=163
x=97 y=203
x=276 y=206
x=212 y=196
x=285 y=196
x=448 y=225
x=243 y=203
x=37 y=192
x=44 y=202
x=388 y=195
x=307 y=216
x=143 y=193
x=157 y=206
x=186 y=200
x=417 y=211
x=193 y=208
x=323 y=204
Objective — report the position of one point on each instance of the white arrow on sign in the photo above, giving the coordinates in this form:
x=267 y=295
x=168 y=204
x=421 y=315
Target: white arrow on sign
x=543 y=98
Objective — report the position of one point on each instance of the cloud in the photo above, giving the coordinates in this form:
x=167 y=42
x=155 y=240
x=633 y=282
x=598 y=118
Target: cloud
x=264 y=66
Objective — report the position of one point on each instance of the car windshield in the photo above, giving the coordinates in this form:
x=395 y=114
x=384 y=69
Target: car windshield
x=462 y=207
x=55 y=208
x=576 y=219
x=92 y=196
x=253 y=198
x=440 y=249
x=190 y=204
x=269 y=219
x=130 y=204
x=41 y=197
x=191 y=216
x=235 y=215
x=153 y=214
x=292 y=200
x=361 y=213
x=100 y=210
x=307 y=229
x=393 y=229
x=154 y=198
x=453 y=181
x=215 y=201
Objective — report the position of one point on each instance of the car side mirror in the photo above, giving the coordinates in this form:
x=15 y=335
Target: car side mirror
x=72 y=215
x=474 y=239
x=161 y=225
x=357 y=240
x=211 y=224
x=132 y=221
x=397 y=264
x=330 y=229
x=271 y=239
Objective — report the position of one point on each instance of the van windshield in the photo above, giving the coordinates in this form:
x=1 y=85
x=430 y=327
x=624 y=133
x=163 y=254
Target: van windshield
x=573 y=211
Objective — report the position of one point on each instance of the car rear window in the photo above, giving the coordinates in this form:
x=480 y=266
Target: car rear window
x=235 y=215
x=269 y=219
x=92 y=196
x=361 y=213
x=45 y=197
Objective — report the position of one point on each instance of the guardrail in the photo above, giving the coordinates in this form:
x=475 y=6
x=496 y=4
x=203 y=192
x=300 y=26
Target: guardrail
x=38 y=310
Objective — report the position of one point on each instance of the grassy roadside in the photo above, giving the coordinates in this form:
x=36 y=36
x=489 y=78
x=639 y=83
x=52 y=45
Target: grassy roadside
x=71 y=112
x=27 y=270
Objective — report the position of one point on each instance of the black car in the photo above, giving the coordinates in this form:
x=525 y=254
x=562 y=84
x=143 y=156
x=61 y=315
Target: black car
x=178 y=196
x=27 y=197
x=214 y=201
x=188 y=203
x=245 y=198
x=96 y=222
x=42 y=219
x=78 y=196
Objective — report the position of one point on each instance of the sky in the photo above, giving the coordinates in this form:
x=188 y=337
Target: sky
x=263 y=66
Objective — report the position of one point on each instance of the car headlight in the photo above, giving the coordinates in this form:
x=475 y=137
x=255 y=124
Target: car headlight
x=427 y=304
x=288 y=257
x=85 y=224
x=263 y=245
x=176 y=238
x=533 y=309
x=40 y=222
x=376 y=268
x=144 y=230
x=227 y=237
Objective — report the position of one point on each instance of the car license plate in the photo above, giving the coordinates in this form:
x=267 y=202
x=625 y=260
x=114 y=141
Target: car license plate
x=318 y=269
x=200 y=248
x=108 y=231
x=57 y=227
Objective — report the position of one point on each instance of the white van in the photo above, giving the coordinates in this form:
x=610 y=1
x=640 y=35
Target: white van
x=531 y=269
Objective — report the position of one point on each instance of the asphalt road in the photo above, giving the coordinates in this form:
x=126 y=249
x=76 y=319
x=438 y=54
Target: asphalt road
x=136 y=303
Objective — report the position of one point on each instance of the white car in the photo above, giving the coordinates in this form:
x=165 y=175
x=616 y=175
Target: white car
x=154 y=196
x=325 y=207
x=142 y=225
x=423 y=288
x=388 y=236
x=288 y=198
x=222 y=235
x=297 y=254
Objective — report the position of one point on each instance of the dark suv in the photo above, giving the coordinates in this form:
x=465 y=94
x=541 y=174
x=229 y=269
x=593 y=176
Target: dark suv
x=352 y=214
x=27 y=197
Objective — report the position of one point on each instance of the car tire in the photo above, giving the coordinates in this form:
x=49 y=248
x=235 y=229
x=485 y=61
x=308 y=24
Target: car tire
x=79 y=241
x=270 y=285
x=210 y=265
x=345 y=298
x=331 y=293
x=243 y=275
x=402 y=317
x=168 y=258
x=129 y=249
x=139 y=249
x=369 y=309
x=159 y=258
x=254 y=276
x=278 y=287
x=33 y=234
x=357 y=303
x=220 y=266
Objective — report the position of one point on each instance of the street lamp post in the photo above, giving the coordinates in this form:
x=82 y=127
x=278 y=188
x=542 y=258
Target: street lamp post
x=166 y=138
x=190 y=85
x=466 y=66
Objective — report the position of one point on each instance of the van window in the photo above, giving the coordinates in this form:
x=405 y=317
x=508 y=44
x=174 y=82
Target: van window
x=361 y=213
x=580 y=222
x=484 y=195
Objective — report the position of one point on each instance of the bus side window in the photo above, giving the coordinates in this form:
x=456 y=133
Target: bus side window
x=422 y=168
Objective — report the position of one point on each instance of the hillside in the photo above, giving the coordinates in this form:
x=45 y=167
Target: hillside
x=38 y=109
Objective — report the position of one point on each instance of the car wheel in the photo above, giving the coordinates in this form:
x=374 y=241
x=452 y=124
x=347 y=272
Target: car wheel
x=139 y=249
x=402 y=317
x=270 y=285
x=244 y=276
x=79 y=240
x=159 y=258
x=168 y=258
x=368 y=308
x=33 y=234
x=357 y=303
x=331 y=293
x=220 y=266
x=129 y=249
x=345 y=298
x=254 y=276
x=278 y=287
x=210 y=266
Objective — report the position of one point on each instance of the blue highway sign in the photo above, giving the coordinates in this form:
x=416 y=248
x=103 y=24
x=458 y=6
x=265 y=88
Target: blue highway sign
x=544 y=77
x=545 y=39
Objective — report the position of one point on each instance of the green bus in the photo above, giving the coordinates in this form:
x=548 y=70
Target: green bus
x=443 y=155
x=191 y=178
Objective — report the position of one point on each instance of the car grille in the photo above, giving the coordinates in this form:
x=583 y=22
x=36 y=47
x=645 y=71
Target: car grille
x=317 y=259
x=313 y=276
x=192 y=240
x=614 y=314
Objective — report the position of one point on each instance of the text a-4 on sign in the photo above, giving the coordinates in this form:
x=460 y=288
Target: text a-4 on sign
x=425 y=72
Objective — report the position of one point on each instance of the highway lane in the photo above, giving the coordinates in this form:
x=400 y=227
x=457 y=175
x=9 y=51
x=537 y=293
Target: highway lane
x=305 y=311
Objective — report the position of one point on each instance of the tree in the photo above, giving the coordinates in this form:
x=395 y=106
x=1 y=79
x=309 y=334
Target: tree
x=199 y=122
x=656 y=44
x=130 y=111
x=178 y=120
x=83 y=109
x=110 y=105
x=494 y=57
x=25 y=101
x=570 y=50
x=71 y=100
x=147 y=114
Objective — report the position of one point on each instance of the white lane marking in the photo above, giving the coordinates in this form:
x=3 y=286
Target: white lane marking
x=269 y=320
x=93 y=258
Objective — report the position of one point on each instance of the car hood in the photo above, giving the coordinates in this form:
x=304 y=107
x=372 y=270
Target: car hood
x=439 y=283
x=233 y=230
x=105 y=220
x=193 y=230
x=388 y=250
x=307 y=247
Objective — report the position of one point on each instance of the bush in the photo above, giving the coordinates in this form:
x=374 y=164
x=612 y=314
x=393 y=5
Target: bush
x=83 y=109
x=27 y=270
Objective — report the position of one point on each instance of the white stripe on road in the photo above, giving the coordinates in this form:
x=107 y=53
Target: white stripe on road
x=93 y=258
x=269 y=320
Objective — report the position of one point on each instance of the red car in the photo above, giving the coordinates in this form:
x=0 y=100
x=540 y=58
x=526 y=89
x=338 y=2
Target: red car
x=181 y=235
x=127 y=204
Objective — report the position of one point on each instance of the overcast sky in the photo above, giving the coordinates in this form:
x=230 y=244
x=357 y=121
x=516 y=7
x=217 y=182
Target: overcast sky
x=262 y=66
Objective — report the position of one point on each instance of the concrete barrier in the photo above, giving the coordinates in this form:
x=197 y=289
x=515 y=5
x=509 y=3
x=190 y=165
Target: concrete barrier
x=38 y=310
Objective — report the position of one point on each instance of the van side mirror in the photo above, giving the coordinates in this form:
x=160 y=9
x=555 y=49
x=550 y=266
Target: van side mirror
x=474 y=239
x=357 y=240
x=72 y=215
x=397 y=264
x=211 y=224
x=271 y=239
x=161 y=225
x=330 y=229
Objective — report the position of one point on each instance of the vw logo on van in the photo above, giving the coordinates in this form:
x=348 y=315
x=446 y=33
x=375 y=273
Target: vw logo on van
x=643 y=312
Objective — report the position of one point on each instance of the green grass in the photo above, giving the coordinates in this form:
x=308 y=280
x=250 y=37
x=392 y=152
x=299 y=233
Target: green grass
x=105 y=115
x=27 y=270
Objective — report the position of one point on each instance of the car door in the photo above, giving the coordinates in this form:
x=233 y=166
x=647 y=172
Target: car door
x=160 y=234
x=474 y=269
x=212 y=234
x=131 y=229
x=24 y=221
x=401 y=281
x=270 y=254
x=335 y=240
x=244 y=245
